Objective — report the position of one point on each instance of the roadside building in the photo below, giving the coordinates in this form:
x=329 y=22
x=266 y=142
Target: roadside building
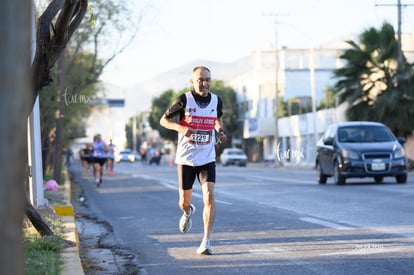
x=302 y=77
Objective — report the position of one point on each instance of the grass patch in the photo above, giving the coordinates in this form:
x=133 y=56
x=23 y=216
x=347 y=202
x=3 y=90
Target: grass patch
x=55 y=197
x=42 y=254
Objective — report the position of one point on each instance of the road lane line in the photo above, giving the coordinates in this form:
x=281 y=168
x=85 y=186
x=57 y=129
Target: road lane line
x=172 y=184
x=267 y=251
x=127 y=217
x=325 y=223
x=362 y=251
x=272 y=179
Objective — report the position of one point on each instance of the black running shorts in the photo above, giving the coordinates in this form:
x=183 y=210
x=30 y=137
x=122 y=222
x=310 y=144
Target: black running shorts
x=100 y=161
x=187 y=174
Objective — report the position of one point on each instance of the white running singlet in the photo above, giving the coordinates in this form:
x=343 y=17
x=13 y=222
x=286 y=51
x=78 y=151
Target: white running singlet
x=199 y=149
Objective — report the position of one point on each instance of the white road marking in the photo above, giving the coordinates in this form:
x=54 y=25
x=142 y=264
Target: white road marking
x=362 y=251
x=127 y=218
x=284 y=180
x=267 y=251
x=325 y=223
x=172 y=184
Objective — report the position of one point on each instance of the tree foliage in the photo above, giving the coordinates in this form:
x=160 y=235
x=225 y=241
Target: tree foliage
x=158 y=106
x=110 y=28
x=55 y=28
x=373 y=84
x=76 y=99
x=329 y=100
x=232 y=125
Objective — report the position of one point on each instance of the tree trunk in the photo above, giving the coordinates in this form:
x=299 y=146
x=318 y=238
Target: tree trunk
x=14 y=89
x=36 y=219
x=58 y=150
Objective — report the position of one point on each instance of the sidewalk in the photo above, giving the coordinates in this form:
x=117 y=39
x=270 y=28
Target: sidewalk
x=70 y=256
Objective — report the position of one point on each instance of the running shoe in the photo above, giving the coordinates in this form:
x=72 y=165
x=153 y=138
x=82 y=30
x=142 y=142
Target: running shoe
x=185 y=221
x=98 y=182
x=205 y=248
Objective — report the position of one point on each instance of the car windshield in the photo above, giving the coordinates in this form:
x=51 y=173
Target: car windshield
x=235 y=152
x=363 y=133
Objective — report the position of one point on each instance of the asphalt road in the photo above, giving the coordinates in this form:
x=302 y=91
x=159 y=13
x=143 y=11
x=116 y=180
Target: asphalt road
x=269 y=221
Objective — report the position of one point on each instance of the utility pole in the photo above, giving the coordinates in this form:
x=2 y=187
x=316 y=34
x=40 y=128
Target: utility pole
x=244 y=110
x=399 y=43
x=134 y=133
x=276 y=115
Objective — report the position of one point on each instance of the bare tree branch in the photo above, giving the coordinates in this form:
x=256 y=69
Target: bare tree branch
x=51 y=41
x=96 y=68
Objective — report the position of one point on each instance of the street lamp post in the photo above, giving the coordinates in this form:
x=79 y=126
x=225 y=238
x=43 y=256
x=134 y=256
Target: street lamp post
x=276 y=133
x=276 y=106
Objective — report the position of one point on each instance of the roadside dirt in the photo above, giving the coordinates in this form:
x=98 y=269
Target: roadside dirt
x=100 y=253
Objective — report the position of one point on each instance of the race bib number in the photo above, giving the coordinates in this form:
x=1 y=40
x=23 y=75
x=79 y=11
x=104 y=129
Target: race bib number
x=201 y=138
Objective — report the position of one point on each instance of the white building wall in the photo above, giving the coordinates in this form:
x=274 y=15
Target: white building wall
x=257 y=88
x=297 y=138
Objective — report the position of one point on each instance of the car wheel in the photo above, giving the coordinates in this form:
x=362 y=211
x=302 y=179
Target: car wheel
x=338 y=178
x=401 y=179
x=378 y=179
x=320 y=176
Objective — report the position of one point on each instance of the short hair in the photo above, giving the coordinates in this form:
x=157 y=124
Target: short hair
x=201 y=68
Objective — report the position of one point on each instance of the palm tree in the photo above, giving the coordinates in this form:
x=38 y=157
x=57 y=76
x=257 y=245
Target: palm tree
x=373 y=85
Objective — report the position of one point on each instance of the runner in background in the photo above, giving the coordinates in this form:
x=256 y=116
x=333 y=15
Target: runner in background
x=100 y=151
x=111 y=156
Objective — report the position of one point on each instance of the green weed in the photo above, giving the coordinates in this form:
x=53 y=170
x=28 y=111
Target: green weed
x=42 y=254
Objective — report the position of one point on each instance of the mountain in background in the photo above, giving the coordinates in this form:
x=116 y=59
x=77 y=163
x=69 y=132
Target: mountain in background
x=138 y=97
x=110 y=122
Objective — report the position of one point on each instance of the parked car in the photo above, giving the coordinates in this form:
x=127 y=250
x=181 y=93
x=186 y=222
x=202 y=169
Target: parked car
x=233 y=156
x=360 y=149
x=125 y=155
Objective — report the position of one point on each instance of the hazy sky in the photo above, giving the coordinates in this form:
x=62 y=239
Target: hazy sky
x=174 y=32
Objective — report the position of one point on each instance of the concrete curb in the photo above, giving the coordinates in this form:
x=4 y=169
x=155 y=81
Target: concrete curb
x=72 y=264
